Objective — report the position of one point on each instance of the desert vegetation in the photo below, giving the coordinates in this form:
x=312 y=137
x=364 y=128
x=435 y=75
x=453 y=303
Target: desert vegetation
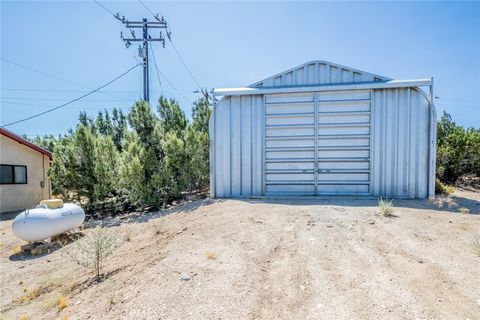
x=143 y=159
x=458 y=153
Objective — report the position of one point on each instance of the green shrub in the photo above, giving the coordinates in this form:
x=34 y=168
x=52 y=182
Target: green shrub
x=458 y=150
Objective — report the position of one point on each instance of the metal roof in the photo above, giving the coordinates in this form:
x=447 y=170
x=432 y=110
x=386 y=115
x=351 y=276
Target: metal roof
x=316 y=73
x=327 y=87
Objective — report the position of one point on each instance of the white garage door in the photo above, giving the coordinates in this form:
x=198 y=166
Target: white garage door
x=317 y=143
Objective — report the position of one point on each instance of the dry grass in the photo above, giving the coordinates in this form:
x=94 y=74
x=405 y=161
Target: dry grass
x=464 y=210
x=23 y=317
x=61 y=302
x=443 y=189
x=211 y=255
x=476 y=244
x=45 y=287
x=385 y=207
x=16 y=249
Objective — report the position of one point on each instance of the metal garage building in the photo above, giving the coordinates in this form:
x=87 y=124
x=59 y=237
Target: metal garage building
x=324 y=129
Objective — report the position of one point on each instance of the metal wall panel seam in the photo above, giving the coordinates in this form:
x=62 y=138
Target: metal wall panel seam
x=315 y=136
x=263 y=143
x=241 y=145
x=251 y=146
x=230 y=144
x=371 y=154
x=432 y=145
x=417 y=136
x=409 y=139
x=212 y=152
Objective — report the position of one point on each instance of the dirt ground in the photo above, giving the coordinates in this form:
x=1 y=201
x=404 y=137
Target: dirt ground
x=265 y=259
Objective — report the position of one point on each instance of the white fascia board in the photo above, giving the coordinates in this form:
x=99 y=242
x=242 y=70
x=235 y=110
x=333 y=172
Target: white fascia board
x=328 y=87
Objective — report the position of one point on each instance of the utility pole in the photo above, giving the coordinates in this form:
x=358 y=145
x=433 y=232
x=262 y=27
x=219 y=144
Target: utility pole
x=206 y=94
x=145 y=25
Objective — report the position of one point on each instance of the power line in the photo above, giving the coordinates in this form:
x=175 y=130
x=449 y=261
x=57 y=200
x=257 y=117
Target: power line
x=53 y=76
x=101 y=5
x=45 y=106
x=71 y=101
x=56 y=99
x=156 y=68
x=145 y=6
x=184 y=64
x=175 y=48
x=58 y=90
x=174 y=88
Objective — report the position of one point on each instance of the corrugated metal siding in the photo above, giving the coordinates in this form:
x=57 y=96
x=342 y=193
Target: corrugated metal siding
x=401 y=142
x=236 y=150
x=317 y=73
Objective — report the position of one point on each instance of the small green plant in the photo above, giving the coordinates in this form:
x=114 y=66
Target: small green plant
x=476 y=244
x=443 y=189
x=92 y=250
x=386 y=207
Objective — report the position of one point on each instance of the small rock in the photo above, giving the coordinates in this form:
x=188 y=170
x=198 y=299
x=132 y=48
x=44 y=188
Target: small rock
x=371 y=222
x=420 y=261
x=329 y=226
x=450 y=221
x=184 y=277
x=302 y=287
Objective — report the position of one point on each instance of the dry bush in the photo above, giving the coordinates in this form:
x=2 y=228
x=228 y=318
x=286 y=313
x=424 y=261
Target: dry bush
x=385 y=207
x=464 y=210
x=443 y=189
x=211 y=255
x=92 y=250
x=61 y=302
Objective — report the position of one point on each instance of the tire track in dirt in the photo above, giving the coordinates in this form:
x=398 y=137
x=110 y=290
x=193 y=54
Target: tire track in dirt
x=283 y=286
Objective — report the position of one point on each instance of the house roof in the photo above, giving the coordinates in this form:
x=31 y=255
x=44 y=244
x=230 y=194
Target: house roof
x=25 y=142
x=318 y=72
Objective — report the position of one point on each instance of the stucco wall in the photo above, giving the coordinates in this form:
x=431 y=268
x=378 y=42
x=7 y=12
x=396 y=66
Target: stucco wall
x=14 y=197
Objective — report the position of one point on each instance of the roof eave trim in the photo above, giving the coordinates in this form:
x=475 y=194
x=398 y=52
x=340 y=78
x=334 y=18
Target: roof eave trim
x=25 y=142
x=327 y=87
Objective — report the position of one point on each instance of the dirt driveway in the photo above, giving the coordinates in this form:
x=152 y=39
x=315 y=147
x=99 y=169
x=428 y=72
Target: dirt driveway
x=266 y=259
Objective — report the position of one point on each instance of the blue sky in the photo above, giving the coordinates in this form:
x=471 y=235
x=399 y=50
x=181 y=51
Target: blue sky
x=228 y=44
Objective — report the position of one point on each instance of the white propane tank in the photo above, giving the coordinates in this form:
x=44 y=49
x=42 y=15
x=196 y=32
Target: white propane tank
x=42 y=222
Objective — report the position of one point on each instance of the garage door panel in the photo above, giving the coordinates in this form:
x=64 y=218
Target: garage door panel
x=352 y=176
x=343 y=165
x=294 y=165
x=290 y=120
x=290 y=154
x=288 y=108
x=344 y=95
x=343 y=118
x=343 y=154
x=291 y=143
x=297 y=131
x=336 y=189
x=289 y=98
x=344 y=106
x=317 y=147
x=344 y=142
x=277 y=177
x=344 y=130
x=293 y=189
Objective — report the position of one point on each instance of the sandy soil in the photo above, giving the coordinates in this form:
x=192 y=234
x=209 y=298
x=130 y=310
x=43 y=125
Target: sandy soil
x=265 y=259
